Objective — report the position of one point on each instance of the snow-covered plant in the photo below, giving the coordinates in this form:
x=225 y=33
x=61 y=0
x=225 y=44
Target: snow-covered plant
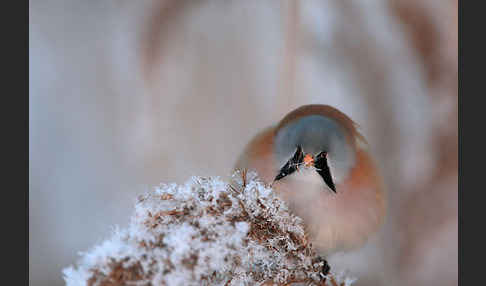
x=206 y=232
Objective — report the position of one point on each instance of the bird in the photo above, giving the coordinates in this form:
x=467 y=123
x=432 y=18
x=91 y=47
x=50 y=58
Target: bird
x=318 y=162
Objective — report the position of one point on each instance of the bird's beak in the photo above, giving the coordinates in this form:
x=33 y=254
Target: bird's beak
x=308 y=160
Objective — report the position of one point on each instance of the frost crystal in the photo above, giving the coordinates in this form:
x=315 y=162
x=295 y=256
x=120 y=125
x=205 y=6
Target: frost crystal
x=206 y=232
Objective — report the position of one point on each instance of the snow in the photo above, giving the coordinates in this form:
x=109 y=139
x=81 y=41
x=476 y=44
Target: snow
x=204 y=232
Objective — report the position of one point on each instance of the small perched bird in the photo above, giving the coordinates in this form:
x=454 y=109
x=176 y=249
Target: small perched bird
x=317 y=161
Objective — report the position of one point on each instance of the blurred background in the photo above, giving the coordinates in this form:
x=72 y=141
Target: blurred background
x=127 y=94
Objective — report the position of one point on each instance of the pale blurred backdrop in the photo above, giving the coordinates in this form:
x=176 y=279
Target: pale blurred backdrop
x=127 y=94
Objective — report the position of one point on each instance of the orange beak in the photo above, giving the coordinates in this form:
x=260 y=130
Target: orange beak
x=308 y=160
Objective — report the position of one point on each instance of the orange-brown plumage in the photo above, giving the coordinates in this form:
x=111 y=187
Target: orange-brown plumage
x=336 y=221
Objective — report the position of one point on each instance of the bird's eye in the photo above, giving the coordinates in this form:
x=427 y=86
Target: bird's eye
x=291 y=164
x=322 y=168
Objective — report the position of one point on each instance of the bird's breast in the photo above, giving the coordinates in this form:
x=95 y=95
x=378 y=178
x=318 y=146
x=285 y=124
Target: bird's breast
x=336 y=221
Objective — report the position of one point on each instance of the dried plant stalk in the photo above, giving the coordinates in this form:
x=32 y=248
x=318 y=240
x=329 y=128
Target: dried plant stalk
x=206 y=232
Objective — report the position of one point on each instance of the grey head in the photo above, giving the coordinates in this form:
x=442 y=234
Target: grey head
x=323 y=138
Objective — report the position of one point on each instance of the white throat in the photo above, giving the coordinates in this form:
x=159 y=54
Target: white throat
x=313 y=182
